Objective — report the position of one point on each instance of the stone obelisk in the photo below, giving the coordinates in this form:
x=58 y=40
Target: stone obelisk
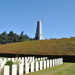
x=39 y=35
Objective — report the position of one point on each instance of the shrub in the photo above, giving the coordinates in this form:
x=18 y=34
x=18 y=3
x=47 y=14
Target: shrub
x=10 y=63
x=26 y=40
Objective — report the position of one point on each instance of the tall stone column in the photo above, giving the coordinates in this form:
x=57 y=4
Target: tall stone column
x=39 y=35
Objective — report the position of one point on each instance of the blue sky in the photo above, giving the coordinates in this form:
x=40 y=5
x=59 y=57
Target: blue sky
x=57 y=16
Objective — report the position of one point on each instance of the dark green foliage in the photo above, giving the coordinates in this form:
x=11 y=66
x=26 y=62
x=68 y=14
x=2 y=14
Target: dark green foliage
x=10 y=63
x=3 y=38
x=12 y=37
x=21 y=37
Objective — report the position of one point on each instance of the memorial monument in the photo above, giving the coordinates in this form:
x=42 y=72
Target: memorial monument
x=39 y=35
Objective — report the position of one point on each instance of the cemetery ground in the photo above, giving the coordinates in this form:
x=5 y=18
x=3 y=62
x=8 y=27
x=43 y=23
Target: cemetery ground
x=64 y=69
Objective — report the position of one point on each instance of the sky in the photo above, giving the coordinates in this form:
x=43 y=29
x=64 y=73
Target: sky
x=57 y=17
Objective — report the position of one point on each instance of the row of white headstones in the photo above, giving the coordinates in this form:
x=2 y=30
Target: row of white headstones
x=24 y=65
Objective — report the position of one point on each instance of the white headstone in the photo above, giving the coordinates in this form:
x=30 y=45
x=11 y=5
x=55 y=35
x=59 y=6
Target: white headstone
x=36 y=69
x=58 y=61
x=0 y=59
x=30 y=59
x=25 y=57
x=33 y=59
x=13 y=59
x=50 y=63
x=14 y=69
x=5 y=60
x=22 y=62
x=39 y=59
x=32 y=67
x=40 y=65
x=47 y=63
x=9 y=59
x=61 y=60
x=26 y=68
x=6 y=70
x=45 y=57
x=20 y=58
x=25 y=60
x=44 y=64
x=20 y=69
x=2 y=64
x=53 y=62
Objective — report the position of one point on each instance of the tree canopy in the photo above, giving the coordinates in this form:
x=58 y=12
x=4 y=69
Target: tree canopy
x=12 y=37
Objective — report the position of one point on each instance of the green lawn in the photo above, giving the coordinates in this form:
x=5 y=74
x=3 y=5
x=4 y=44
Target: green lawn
x=64 y=69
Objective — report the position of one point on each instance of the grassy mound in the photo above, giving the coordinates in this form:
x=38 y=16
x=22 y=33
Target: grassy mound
x=64 y=46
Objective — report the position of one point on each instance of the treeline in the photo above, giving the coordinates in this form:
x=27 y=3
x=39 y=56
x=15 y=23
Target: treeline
x=12 y=37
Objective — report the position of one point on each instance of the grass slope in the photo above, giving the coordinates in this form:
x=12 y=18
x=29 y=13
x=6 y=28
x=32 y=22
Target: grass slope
x=64 y=69
x=64 y=46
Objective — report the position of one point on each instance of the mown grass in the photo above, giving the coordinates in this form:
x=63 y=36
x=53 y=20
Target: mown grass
x=64 y=69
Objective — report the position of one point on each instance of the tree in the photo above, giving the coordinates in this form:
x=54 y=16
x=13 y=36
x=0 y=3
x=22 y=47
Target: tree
x=12 y=37
x=3 y=38
x=26 y=37
x=21 y=37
